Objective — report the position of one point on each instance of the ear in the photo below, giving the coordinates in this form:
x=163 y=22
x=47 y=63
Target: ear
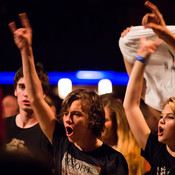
x=15 y=93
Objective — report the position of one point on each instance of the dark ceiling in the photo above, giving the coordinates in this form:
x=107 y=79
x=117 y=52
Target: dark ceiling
x=71 y=35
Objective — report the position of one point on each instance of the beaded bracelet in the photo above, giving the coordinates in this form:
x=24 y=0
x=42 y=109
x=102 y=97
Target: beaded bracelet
x=141 y=59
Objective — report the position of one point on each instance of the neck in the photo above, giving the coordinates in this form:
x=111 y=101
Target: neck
x=112 y=141
x=25 y=119
x=90 y=146
x=171 y=150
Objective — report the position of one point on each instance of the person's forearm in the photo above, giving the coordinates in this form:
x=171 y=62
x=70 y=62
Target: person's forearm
x=131 y=105
x=35 y=93
x=169 y=38
x=128 y=66
x=32 y=81
x=134 y=87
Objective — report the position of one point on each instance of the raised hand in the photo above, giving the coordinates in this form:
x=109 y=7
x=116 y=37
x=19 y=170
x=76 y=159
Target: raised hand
x=147 y=47
x=22 y=36
x=126 y=31
x=154 y=20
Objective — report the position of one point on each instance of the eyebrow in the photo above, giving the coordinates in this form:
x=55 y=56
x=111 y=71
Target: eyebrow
x=75 y=111
x=20 y=84
x=167 y=114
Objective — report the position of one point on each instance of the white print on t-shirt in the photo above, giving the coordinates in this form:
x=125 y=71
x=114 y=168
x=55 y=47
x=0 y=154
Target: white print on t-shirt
x=162 y=171
x=72 y=166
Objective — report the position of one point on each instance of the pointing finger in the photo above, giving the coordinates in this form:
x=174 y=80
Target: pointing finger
x=155 y=10
x=12 y=27
x=24 y=20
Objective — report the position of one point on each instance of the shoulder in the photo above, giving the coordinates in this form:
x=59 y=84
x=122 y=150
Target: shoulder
x=153 y=144
x=109 y=148
x=9 y=120
x=112 y=153
x=59 y=132
x=115 y=161
x=153 y=139
x=59 y=129
x=153 y=148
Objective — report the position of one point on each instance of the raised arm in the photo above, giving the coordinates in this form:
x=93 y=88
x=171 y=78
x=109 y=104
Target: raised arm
x=156 y=22
x=23 y=40
x=129 y=65
x=131 y=104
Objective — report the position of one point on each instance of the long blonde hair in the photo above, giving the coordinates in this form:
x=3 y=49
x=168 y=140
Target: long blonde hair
x=126 y=143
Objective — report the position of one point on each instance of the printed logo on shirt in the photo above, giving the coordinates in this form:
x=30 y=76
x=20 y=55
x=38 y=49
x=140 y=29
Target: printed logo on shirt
x=170 y=65
x=162 y=171
x=18 y=146
x=72 y=166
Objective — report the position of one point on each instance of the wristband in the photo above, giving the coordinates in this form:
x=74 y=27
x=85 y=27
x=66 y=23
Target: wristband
x=141 y=59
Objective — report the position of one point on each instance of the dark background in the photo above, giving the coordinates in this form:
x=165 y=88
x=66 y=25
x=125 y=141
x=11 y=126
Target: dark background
x=71 y=35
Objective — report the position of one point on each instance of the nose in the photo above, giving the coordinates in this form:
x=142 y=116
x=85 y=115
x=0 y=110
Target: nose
x=25 y=92
x=162 y=120
x=67 y=118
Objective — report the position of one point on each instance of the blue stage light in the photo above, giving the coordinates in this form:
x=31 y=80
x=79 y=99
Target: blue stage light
x=82 y=77
x=6 y=78
x=84 y=74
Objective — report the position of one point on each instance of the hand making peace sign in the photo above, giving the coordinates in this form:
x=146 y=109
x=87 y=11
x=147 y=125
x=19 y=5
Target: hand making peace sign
x=22 y=36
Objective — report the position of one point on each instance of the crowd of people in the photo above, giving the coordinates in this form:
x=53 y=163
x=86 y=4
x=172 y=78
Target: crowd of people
x=94 y=134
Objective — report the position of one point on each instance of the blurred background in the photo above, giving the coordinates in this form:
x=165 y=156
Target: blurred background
x=72 y=35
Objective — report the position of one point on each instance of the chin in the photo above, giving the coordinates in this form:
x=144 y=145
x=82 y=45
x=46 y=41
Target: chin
x=71 y=140
x=104 y=134
x=161 y=140
x=29 y=109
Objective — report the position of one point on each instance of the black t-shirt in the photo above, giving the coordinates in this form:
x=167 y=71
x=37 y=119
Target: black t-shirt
x=70 y=160
x=162 y=163
x=33 y=137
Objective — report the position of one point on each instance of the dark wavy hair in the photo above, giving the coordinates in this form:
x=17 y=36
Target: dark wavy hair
x=42 y=74
x=92 y=104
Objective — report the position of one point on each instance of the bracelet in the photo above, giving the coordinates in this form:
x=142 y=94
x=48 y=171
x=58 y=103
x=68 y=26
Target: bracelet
x=141 y=59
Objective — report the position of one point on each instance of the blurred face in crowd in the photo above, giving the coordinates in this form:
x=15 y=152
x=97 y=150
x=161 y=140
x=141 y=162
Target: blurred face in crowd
x=109 y=130
x=9 y=106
